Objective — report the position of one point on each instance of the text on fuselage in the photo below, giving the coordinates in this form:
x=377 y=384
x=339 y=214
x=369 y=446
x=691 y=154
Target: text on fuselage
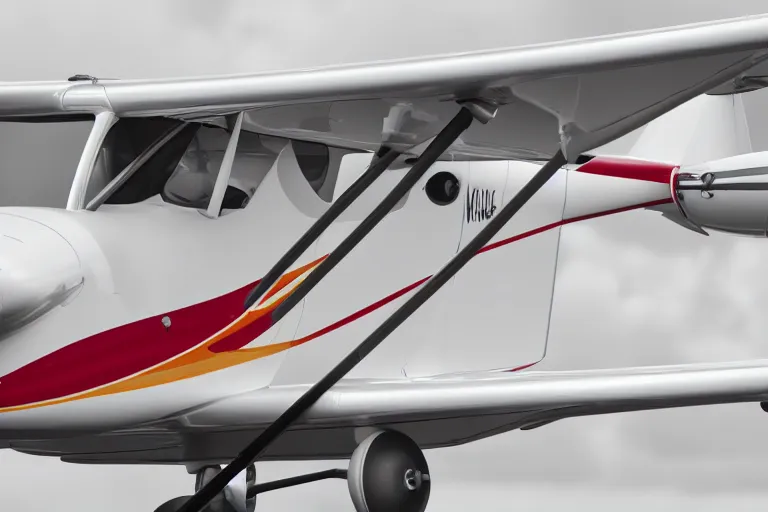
x=481 y=204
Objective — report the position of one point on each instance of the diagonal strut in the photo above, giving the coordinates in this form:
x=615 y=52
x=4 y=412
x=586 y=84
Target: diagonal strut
x=382 y=160
x=439 y=145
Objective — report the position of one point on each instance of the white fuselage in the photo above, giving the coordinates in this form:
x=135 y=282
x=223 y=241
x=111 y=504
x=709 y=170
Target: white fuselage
x=150 y=320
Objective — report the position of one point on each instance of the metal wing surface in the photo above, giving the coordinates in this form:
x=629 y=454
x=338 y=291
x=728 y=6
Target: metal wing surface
x=574 y=95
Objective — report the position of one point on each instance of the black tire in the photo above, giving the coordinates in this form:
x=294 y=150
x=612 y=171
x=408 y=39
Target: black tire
x=388 y=473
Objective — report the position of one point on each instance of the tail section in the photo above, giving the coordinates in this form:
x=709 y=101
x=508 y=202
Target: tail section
x=703 y=129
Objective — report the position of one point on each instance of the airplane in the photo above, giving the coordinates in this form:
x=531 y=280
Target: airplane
x=355 y=262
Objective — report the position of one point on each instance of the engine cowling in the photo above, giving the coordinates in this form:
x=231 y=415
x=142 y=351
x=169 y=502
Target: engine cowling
x=728 y=195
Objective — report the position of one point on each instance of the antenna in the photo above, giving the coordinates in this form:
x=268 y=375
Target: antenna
x=83 y=78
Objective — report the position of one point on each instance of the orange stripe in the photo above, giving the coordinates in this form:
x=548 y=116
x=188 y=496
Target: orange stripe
x=200 y=360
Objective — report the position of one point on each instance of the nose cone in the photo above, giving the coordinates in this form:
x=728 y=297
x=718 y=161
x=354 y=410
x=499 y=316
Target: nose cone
x=39 y=270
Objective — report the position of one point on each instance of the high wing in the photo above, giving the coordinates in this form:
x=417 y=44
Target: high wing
x=435 y=412
x=574 y=95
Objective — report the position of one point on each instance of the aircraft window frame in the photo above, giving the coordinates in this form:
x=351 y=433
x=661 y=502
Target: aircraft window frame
x=130 y=169
x=103 y=123
x=129 y=147
x=192 y=159
x=157 y=168
x=221 y=185
x=245 y=178
x=237 y=177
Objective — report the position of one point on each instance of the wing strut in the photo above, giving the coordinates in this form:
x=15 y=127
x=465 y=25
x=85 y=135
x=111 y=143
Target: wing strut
x=382 y=160
x=446 y=137
x=436 y=148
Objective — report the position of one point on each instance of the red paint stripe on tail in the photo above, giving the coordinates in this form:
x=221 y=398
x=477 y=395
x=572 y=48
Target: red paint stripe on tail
x=629 y=169
x=554 y=225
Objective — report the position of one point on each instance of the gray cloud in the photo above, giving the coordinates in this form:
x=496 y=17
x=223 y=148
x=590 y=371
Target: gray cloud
x=703 y=304
x=38 y=164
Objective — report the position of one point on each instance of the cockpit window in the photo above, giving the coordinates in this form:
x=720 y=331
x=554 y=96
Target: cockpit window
x=184 y=169
x=148 y=181
x=313 y=160
x=125 y=141
x=253 y=160
x=194 y=178
x=192 y=181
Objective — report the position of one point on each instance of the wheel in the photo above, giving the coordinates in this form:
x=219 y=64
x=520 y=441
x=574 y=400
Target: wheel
x=388 y=473
x=234 y=498
x=173 y=505
x=219 y=504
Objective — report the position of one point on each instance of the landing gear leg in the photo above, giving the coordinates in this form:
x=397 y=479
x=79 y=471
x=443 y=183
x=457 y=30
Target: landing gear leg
x=237 y=496
x=387 y=473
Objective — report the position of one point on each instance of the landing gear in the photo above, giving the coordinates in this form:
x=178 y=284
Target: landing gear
x=388 y=473
x=173 y=505
x=236 y=497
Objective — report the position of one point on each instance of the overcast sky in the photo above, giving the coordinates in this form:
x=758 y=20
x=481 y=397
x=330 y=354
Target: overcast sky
x=632 y=289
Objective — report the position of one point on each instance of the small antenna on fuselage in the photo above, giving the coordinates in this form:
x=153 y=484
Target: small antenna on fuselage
x=83 y=78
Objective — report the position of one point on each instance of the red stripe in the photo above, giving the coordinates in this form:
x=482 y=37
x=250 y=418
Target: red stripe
x=524 y=367
x=554 y=225
x=129 y=349
x=119 y=352
x=629 y=169
x=359 y=314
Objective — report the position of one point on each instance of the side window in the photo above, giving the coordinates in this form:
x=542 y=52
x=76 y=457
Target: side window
x=149 y=180
x=192 y=181
x=184 y=170
x=314 y=160
x=125 y=141
x=253 y=160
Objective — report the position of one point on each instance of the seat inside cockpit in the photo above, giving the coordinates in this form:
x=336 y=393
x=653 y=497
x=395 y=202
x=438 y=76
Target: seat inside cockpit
x=192 y=182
